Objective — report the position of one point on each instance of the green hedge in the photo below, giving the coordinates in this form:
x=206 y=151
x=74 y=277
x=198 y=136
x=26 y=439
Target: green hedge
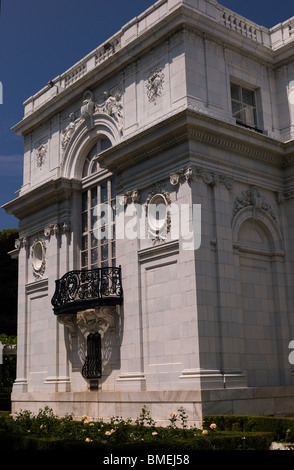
x=45 y=431
x=224 y=442
x=282 y=429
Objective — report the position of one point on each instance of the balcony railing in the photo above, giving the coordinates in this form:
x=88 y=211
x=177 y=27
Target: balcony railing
x=78 y=290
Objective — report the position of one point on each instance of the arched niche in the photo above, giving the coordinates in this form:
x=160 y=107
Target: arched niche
x=255 y=228
x=259 y=256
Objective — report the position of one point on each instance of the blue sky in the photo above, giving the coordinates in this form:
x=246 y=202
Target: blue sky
x=40 y=40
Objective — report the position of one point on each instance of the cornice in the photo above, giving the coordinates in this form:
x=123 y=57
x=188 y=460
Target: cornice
x=191 y=125
x=177 y=20
x=45 y=195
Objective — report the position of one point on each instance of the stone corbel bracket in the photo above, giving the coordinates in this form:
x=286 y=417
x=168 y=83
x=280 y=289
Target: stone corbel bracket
x=99 y=319
x=209 y=177
x=21 y=243
x=281 y=197
x=133 y=196
x=57 y=228
x=69 y=320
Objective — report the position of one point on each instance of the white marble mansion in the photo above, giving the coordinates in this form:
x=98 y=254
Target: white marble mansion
x=182 y=293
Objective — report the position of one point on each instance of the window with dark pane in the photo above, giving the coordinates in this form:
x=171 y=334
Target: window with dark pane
x=244 y=106
x=98 y=216
x=91 y=165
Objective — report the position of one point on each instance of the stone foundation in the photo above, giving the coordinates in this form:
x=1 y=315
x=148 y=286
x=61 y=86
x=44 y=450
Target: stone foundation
x=258 y=401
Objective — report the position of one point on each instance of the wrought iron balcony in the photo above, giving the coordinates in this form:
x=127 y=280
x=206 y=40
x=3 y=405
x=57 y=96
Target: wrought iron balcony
x=78 y=290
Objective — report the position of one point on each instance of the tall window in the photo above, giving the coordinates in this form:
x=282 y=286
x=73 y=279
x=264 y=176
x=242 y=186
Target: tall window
x=244 y=106
x=98 y=215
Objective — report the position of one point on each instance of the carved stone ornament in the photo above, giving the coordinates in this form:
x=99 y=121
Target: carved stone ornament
x=55 y=228
x=51 y=229
x=129 y=197
x=154 y=85
x=98 y=319
x=69 y=130
x=175 y=177
x=281 y=197
x=252 y=197
x=113 y=107
x=21 y=243
x=38 y=253
x=158 y=214
x=87 y=109
x=69 y=320
x=41 y=152
x=209 y=177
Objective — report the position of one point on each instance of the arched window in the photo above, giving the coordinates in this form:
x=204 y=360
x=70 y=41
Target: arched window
x=98 y=214
x=91 y=166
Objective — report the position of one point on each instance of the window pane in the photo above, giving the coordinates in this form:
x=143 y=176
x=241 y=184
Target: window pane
x=94 y=167
x=93 y=197
x=98 y=247
x=94 y=239
x=105 y=144
x=85 y=242
x=104 y=252
x=85 y=221
x=248 y=97
x=236 y=108
x=104 y=192
x=84 y=259
x=93 y=217
x=235 y=92
x=94 y=256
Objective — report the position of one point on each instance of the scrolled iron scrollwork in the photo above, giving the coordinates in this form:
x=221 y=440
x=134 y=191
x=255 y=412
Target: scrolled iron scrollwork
x=100 y=286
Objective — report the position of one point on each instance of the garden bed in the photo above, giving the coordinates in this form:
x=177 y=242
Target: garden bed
x=45 y=431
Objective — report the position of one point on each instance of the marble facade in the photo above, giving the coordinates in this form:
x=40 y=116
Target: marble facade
x=188 y=105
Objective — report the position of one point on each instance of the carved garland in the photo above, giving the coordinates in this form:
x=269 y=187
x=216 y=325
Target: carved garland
x=252 y=197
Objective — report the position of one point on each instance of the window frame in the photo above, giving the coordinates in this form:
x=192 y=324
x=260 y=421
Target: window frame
x=243 y=105
x=97 y=188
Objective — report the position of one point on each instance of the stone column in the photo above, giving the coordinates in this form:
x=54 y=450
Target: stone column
x=21 y=384
x=58 y=373
x=132 y=375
